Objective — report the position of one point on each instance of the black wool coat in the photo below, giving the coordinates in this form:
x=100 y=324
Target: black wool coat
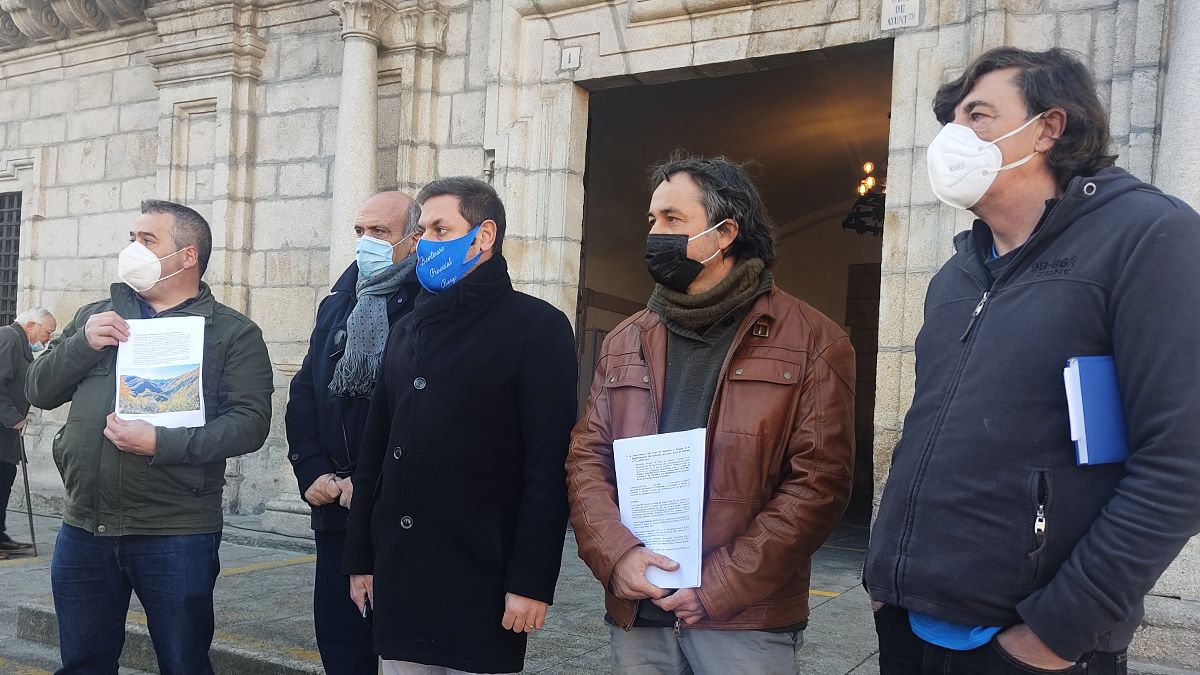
x=460 y=491
x=322 y=429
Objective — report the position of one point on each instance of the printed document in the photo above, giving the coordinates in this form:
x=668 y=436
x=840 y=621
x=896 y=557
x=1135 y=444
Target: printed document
x=660 y=491
x=159 y=372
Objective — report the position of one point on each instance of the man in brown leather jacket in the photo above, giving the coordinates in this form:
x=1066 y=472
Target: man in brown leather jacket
x=772 y=381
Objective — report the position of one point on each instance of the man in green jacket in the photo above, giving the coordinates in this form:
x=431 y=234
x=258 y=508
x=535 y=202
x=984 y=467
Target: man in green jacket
x=143 y=504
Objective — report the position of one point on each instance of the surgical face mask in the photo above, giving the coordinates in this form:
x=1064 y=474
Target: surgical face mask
x=373 y=255
x=668 y=262
x=962 y=166
x=138 y=267
x=37 y=347
x=441 y=264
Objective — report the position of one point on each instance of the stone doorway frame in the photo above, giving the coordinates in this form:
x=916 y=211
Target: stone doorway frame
x=546 y=55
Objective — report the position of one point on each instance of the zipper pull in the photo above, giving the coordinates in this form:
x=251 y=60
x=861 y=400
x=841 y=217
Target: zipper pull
x=975 y=316
x=679 y=628
x=1039 y=523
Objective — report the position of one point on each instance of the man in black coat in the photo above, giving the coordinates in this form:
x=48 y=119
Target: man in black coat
x=328 y=405
x=31 y=330
x=457 y=544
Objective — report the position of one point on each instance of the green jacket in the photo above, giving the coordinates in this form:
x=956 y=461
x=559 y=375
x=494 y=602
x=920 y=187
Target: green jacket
x=15 y=356
x=178 y=491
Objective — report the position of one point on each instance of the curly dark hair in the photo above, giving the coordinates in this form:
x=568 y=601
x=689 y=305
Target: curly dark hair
x=727 y=192
x=1055 y=78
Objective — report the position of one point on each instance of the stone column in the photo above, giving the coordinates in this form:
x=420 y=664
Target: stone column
x=1177 y=170
x=354 y=166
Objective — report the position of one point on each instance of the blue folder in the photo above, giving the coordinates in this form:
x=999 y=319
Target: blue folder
x=1094 y=403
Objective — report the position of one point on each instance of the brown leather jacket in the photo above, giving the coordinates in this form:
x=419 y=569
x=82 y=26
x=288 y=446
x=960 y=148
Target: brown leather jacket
x=780 y=456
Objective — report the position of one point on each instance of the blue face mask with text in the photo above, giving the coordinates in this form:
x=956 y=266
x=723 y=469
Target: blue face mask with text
x=441 y=264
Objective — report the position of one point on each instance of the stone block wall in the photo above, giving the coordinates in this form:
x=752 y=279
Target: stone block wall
x=84 y=129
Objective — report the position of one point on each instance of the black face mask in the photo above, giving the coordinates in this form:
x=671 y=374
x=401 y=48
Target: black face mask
x=668 y=262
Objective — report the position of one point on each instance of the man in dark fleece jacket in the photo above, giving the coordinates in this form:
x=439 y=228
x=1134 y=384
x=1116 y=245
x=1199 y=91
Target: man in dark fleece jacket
x=993 y=550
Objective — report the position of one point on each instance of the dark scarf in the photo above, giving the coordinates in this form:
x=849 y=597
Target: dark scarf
x=367 y=330
x=698 y=312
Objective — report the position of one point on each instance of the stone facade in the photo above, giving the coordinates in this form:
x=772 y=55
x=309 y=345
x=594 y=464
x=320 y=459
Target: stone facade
x=234 y=106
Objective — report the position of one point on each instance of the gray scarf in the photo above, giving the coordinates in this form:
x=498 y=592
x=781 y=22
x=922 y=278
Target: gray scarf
x=367 y=330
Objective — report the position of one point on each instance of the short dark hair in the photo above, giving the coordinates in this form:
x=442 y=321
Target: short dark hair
x=727 y=192
x=477 y=202
x=187 y=229
x=1055 y=78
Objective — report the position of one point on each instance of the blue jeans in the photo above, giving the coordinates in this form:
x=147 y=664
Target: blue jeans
x=343 y=637
x=173 y=576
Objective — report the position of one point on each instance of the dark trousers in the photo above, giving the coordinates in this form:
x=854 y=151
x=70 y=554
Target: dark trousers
x=343 y=637
x=8 y=474
x=173 y=576
x=901 y=652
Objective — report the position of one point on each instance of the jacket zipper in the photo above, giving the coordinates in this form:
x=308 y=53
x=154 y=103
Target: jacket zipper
x=968 y=340
x=1039 y=518
x=975 y=316
x=637 y=604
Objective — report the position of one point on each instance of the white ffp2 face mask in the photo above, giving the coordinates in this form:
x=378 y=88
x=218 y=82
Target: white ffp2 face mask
x=140 y=269
x=963 y=166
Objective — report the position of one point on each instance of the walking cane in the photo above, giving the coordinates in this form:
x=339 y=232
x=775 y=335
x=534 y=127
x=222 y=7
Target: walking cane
x=28 y=498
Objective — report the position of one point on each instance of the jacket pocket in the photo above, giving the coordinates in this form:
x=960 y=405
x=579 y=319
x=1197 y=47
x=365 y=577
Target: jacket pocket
x=759 y=396
x=56 y=451
x=190 y=477
x=631 y=409
x=1039 y=507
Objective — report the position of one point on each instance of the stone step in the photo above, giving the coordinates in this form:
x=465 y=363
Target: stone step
x=1169 y=635
x=38 y=623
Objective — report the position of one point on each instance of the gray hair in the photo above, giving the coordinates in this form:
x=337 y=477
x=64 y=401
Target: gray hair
x=412 y=218
x=35 y=314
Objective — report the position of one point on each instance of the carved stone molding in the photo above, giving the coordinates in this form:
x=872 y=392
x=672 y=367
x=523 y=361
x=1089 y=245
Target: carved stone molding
x=363 y=18
x=123 y=11
x=182 y=60
x=82 y=16
x=11 y=37
x=421 y=26
x=10 y=168
x=36 y=19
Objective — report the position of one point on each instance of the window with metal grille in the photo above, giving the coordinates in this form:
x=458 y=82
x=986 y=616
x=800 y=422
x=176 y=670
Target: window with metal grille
x=10 y=240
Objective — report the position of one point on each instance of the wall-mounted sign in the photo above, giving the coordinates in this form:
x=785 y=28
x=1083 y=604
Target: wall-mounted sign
x=900 y=14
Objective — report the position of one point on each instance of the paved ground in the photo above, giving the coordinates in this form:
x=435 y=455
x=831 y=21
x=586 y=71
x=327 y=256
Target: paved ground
x=263 y=607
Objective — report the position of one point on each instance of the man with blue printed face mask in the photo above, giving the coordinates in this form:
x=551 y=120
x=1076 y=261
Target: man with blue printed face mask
x=457 y=547
x=997 y=549
x=328 y=404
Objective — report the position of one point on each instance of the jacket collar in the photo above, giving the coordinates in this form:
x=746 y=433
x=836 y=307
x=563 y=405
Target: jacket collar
x=125 y=302
x=27 y=352
x=1083 y=196
x=348 y=281
x=485 y=284
x=652 y=336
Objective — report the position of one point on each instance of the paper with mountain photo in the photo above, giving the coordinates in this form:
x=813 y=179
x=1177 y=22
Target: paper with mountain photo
x=159 y=372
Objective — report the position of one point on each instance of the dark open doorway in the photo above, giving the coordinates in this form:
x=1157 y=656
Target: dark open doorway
x=807 y=129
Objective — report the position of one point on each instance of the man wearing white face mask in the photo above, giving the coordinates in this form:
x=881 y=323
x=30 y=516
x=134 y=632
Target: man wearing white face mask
x=327 y=409
x=142 y=509
x=995 y=549
x=771 y=379
x=19 y=341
